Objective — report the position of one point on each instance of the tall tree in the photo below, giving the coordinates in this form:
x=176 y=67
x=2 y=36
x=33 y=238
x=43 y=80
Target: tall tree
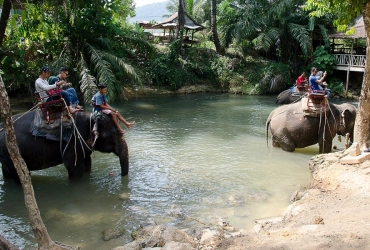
x=180 y=25
x=5 y=13
x=346 y=11
x=42 y=237
x=215 y=38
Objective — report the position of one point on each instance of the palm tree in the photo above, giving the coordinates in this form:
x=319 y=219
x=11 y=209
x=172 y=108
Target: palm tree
x=215 y=38
x=86 y=36
x=279 y=26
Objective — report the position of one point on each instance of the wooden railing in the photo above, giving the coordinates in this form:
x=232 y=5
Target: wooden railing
x=352 y=60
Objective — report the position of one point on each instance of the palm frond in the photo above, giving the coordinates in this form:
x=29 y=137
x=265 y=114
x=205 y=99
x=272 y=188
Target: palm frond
x=88 y=84
x=122 y=65
x=266 y=40
x=324 y=34
x=301 y=35
x=64 y=59
x=102 y=69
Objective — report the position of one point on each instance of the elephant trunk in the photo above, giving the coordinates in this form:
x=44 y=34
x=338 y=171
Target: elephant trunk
x=123 y=159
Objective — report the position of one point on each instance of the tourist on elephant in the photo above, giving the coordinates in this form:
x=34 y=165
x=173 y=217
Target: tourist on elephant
x=67 y=86
x=42 y=87
x=317 y=84
x=100 y=104
x=301 y=80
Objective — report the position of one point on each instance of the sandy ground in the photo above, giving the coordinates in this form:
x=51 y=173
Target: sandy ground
x=334 y=213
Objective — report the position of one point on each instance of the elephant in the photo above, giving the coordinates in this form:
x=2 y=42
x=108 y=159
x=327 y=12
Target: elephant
x=286 y=97
x=40 y=153
x=290 y=129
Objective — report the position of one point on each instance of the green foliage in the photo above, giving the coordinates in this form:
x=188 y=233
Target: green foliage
x=88 y=37
x=271 y=78
x=345 y=11
x=323 y=60
x=335 y=85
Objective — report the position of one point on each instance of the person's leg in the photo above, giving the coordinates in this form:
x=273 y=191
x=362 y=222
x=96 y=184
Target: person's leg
x=128 y=124
x=65 y=96
x=73 y=97
x=115 y=121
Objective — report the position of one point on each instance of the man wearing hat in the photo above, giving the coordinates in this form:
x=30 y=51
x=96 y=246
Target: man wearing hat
x=42 y=86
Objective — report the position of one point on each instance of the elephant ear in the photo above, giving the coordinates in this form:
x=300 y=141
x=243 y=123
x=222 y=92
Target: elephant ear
x=345 y=118
x=106 y=127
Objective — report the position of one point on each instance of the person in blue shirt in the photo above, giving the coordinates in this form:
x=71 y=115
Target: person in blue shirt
x=100 y=104
x=315 y=83
x=66 y=86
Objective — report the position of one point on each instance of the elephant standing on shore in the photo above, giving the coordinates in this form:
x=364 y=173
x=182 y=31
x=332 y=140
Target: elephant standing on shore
x=290 y=129
x=40 y=153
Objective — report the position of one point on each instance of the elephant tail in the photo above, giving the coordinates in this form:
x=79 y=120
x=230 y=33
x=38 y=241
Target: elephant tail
x=267 y=130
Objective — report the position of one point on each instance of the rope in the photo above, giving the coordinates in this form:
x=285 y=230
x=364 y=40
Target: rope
x=34 y=107
x=61 y=133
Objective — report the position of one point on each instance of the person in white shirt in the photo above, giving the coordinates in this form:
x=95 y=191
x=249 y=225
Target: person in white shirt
x=42 y=86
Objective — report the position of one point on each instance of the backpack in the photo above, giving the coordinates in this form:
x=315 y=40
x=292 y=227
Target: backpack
x=56 y=90
x=51 y=78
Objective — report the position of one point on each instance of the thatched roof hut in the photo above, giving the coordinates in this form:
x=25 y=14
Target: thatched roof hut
x=359 y=31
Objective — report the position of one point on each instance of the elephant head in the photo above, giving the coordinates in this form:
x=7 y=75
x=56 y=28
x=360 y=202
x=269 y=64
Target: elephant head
x=109 y=140
x=346 y=120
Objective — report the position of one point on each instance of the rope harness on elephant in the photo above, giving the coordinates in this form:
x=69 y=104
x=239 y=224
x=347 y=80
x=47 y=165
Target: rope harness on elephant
x=76 y=132
x=33 y=108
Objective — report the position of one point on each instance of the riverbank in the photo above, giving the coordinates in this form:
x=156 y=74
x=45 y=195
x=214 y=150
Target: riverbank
x=331 y=214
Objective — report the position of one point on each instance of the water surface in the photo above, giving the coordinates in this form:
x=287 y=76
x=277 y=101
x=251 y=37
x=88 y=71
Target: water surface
x=193 y=158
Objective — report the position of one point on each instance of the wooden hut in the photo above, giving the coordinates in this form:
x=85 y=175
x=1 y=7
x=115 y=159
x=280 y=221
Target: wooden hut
x=353 y=57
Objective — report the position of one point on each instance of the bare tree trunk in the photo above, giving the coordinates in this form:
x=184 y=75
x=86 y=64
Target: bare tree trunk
x=215 y=39
x=41 y=234
x=5 y=13
x=180 y=24
x=4 y=244
x=362 y=124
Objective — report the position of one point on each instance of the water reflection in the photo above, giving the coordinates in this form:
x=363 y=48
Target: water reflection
x=204 y=154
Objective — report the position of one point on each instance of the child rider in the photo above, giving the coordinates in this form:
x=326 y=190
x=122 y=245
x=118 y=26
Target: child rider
x=100 y=104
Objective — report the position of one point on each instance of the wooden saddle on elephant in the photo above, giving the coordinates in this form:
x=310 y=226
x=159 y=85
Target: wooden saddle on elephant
x=315 y=104
x=53 y=107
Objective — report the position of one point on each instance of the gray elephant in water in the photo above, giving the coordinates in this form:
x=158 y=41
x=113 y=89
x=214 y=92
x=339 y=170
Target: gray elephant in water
x=286 y=97
x=290 y=129
x=40 y=153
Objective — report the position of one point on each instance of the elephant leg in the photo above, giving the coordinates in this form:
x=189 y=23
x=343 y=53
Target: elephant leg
x=75 y=167
x=87 y=163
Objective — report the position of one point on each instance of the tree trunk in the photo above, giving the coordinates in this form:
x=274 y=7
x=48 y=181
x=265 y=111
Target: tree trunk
x=180 y=25
x=5 y=13
x=43 y=239
x=362 y=125
x=215 y=39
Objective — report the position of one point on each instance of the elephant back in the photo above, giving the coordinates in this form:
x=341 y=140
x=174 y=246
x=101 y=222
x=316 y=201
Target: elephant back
x=315 y=107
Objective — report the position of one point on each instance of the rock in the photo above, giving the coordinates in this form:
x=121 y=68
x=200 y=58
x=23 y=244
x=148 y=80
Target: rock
x=297 y=195
x=112 y=233
x=130 y=246
x=172 y=245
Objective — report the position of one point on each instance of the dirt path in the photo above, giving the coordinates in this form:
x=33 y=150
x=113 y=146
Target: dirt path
x=333 y=214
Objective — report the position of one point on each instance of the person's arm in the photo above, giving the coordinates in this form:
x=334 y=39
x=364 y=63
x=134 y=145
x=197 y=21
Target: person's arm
x=106 y=106
x=40 y=85
x=321 y=79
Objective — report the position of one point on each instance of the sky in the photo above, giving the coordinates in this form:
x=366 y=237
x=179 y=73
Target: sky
x=145 y=2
